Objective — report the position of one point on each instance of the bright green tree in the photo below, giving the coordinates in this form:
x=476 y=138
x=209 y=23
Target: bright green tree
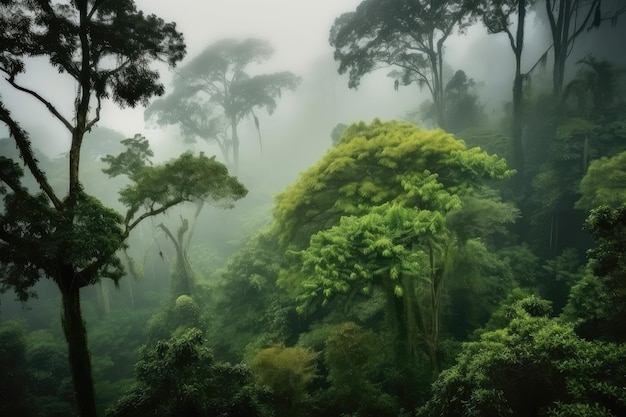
x=214 y=92
x=604 y=183
x=373 y=212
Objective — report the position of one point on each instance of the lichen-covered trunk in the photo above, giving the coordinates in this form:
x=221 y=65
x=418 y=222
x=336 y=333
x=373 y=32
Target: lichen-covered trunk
x=78 y=350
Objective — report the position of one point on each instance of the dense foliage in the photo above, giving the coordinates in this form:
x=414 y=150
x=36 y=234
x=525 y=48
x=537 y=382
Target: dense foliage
x=476 y=269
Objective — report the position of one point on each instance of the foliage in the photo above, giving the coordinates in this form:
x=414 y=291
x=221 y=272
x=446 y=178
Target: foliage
x=479 y=279
x=156 y=188
x=250 y=310
x=175 y=318
x=286 y=371
x=180 y=377
x=559 y=274
x=337 y=131
x=564 y=141
x=568 y=20
x=488 y=140
x=118 y=34
x=35 y=236
x=49 y=379
x=603 y=184
x=596 y=302
x=534 y=366
x=588 y=307
x=483 y=214
x=363 y=172
x=14 y=393
x=389 y=228
x=351 y=359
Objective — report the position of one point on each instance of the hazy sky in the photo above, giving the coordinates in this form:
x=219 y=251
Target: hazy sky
x=298 y=30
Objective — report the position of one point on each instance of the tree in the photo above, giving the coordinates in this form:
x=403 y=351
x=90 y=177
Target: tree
x=106 y=49
x=607 y=261
x=352 y=359
x=533 y=366
x=603 y=184
x=387 y=228
x=179 y=377
x=588 y=126
x=218 y=78
x=409 y=36
x=496 y=16
x=568 y=19
x=186 y=179
x=286 y=371
x=461 y=106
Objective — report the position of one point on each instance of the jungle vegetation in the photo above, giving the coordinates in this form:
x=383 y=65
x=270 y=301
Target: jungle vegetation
x=477 y=268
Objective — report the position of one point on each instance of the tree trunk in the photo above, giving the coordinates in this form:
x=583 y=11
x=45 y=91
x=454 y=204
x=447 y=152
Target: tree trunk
x=183 y=282
x=518 y=91
x=78 y=351
x=235 y=140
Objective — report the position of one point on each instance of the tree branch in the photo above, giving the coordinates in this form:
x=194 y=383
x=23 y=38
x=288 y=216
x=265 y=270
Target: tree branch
x=45 y=102
x=164 y=207
x=97 y=118
x=23 y=144
x=95 y=7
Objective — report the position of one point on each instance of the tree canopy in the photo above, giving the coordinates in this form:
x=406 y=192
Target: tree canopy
x=381 y=162
x=389 y=227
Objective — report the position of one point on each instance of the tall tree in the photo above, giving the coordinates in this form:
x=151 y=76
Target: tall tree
x=497 y=16
x=409 y=36
x=160 y=183
x=106 y=48
x=568 y=19
x=375 y=212
x=218 y=79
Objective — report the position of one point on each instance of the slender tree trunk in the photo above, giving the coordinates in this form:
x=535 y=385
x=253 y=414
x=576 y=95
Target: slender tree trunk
x=560 y=33
x=235 y=140
x=78 y=350
x=518 y=93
